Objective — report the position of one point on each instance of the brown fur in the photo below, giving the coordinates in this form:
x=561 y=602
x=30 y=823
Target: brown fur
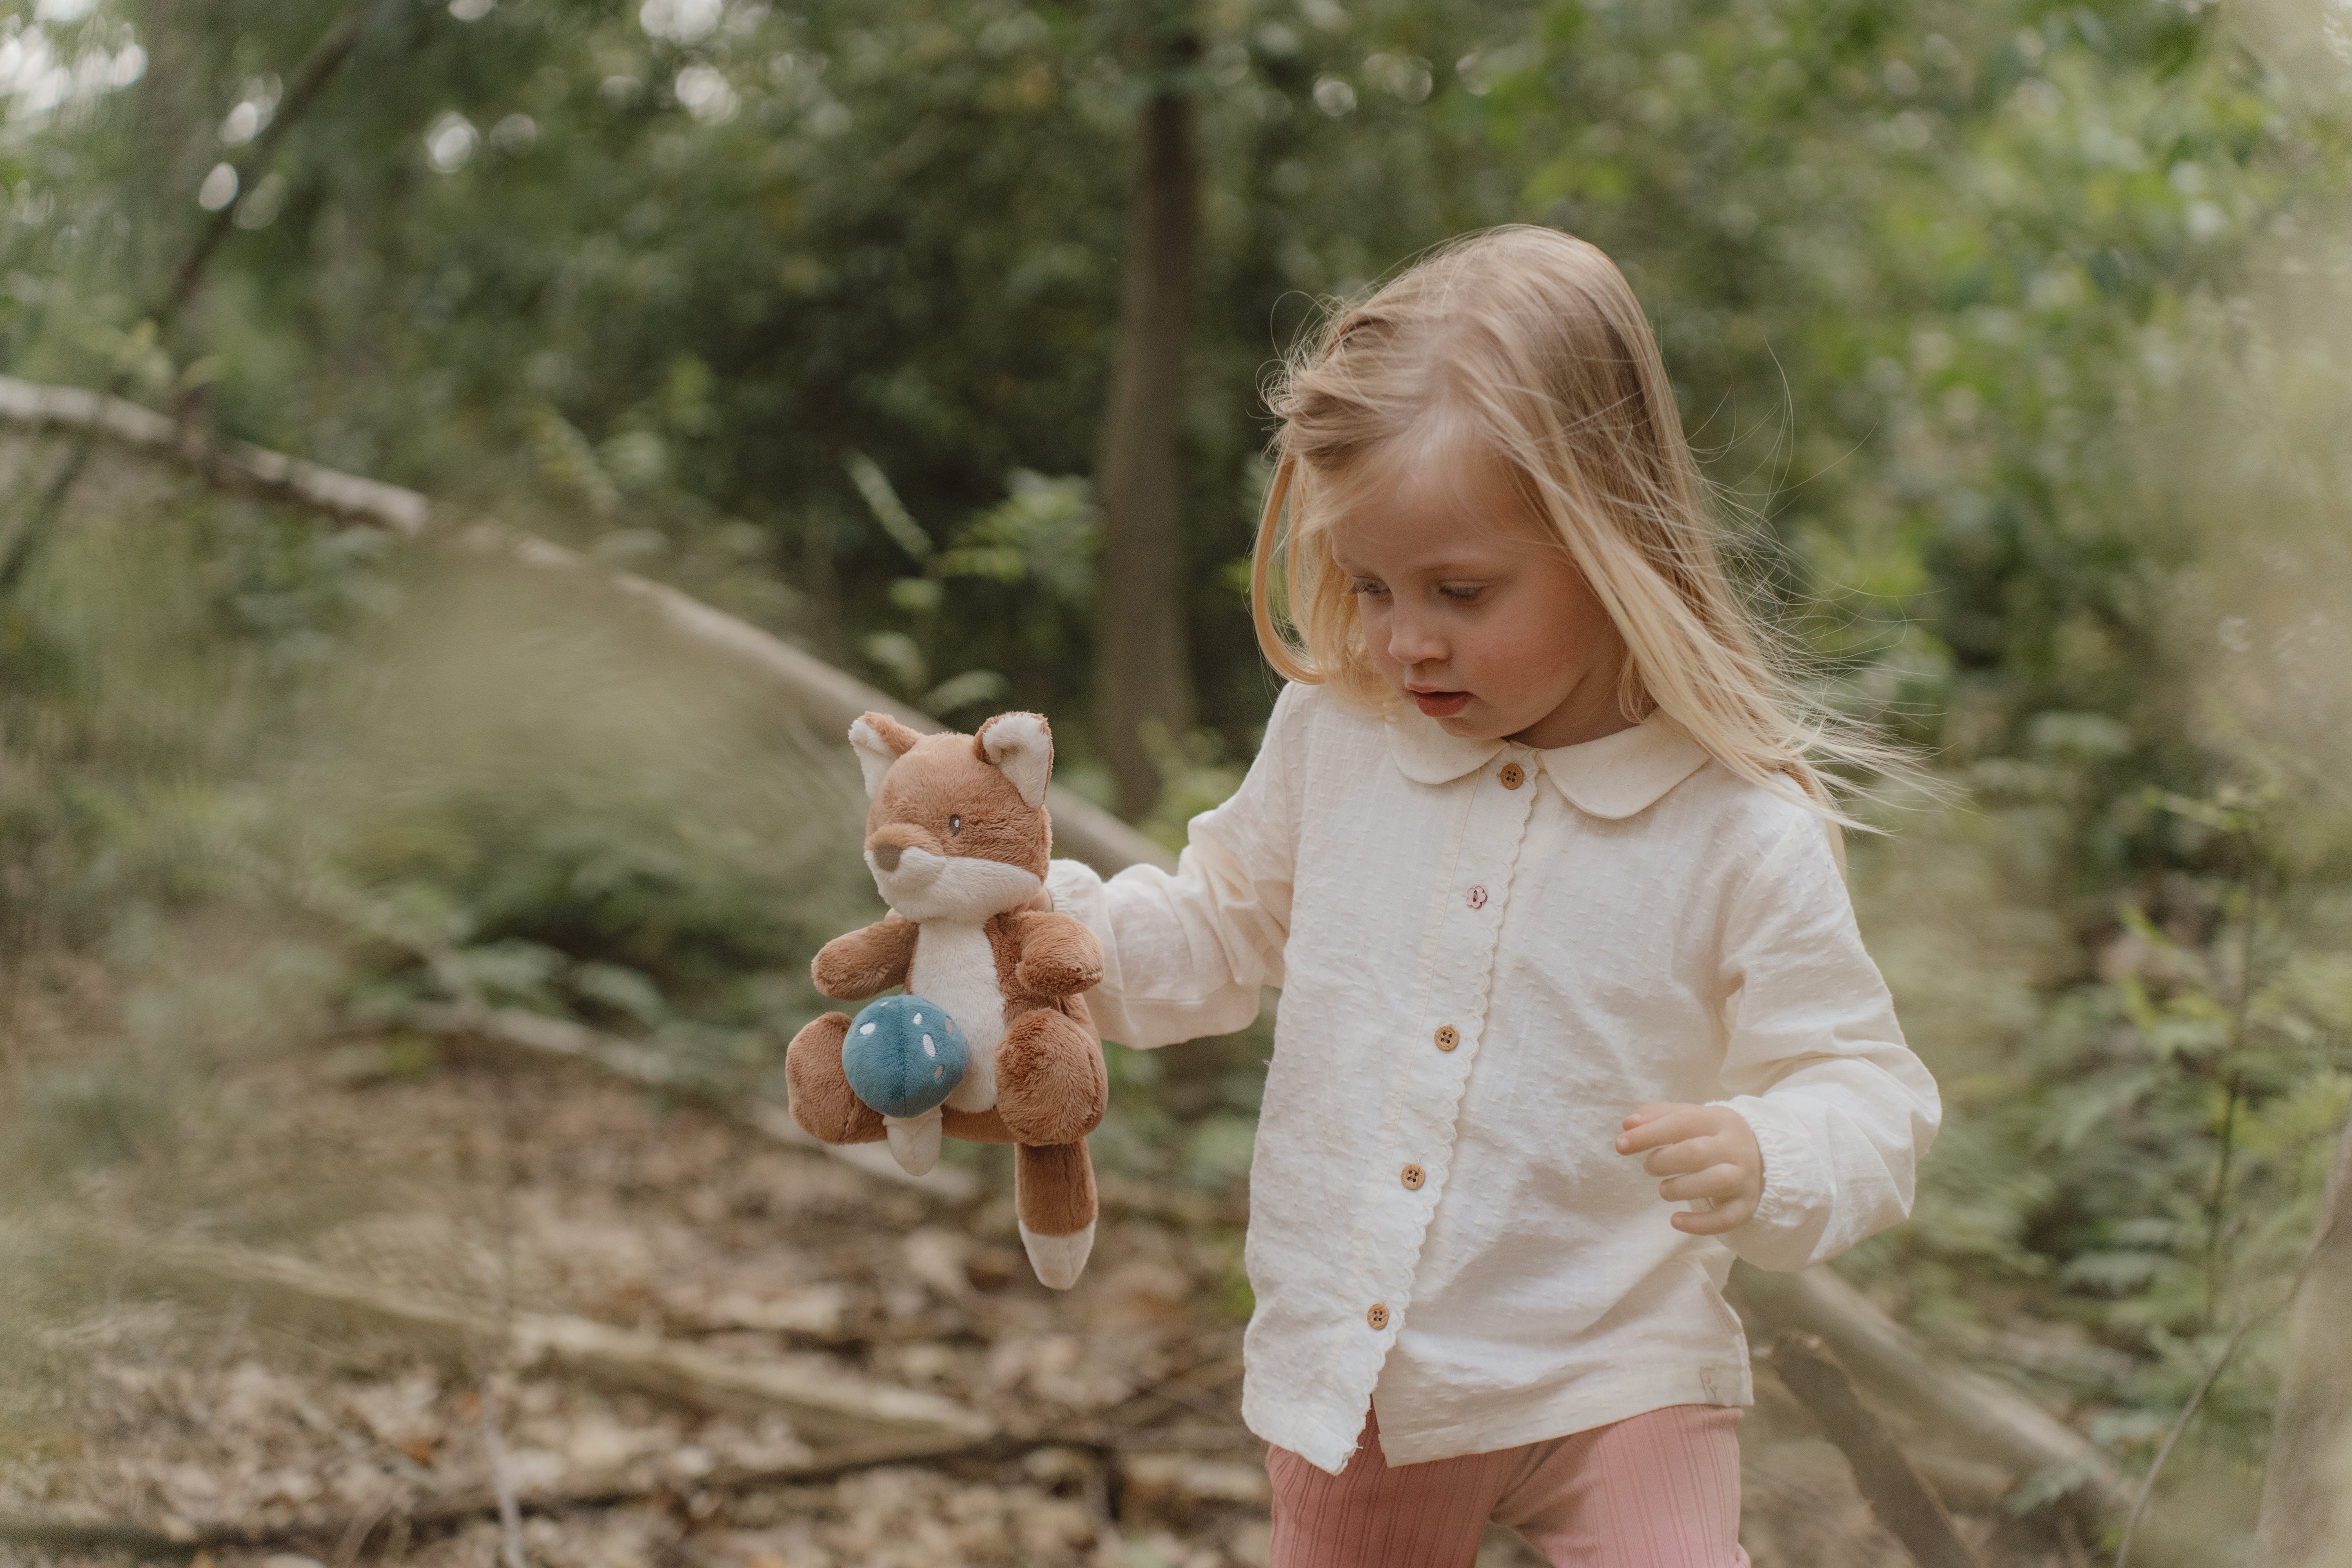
x=1051 y=1086
x=866 y=962
x=1053 y=1188
x=1059 y=957
x=821 y=1100
x=895 y=735
x=977 y=1126
x=944 y=777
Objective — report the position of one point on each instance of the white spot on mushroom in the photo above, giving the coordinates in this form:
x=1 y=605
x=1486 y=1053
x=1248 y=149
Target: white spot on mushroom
x=865 y=1029
x=929 y=1048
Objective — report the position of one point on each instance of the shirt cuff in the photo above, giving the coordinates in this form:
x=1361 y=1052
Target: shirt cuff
x=1799 y=1191
x=1075 y=888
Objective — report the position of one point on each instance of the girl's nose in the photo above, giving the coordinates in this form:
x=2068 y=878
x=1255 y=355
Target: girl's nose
x=1412 y=639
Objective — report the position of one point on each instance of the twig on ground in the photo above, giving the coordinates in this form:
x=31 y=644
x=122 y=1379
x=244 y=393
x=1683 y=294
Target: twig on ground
x=363 y=1525
x=870 y=1421
x=494 y=1447
x=1177 y=1389
x=1898 y=1494
x=1111 y=1544
x=501 y=1483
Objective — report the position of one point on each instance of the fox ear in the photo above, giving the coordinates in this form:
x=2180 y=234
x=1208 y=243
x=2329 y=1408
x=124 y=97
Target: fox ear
x=879 y=741
x=1021 y=744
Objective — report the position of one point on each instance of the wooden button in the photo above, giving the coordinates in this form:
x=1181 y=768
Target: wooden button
x=1378 y=1316
x=1412 y=1176
x=1514 y=775
x=1448 y=1036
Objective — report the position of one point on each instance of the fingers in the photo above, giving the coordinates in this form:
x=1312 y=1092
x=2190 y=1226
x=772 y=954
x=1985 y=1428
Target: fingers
x=1723 y=1216
x=1703 y=1151
x=1655 y=1126
x=1717 y=1183
x=1691 y=1155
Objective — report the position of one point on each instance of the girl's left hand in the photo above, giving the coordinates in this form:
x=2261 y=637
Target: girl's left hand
x=1704 y=1152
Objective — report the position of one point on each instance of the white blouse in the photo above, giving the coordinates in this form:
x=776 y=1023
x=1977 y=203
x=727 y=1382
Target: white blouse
x=1489 y=955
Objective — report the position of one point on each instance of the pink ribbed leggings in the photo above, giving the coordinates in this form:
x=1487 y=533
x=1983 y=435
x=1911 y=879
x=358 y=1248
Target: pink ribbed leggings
x=1660 y=1490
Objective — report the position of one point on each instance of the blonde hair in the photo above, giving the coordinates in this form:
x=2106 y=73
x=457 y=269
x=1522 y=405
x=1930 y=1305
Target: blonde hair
x=1534 y=341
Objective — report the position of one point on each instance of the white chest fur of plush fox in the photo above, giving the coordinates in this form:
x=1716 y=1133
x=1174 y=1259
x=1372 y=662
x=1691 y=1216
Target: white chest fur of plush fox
x=955 y=967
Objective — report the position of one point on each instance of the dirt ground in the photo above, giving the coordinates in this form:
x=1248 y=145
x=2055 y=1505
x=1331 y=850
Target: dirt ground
x=463 y=1174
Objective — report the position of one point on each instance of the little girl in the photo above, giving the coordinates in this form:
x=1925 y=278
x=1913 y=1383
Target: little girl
x=1539 y=852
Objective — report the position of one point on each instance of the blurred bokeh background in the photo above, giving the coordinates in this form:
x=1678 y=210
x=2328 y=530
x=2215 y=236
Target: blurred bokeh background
x=928 y=336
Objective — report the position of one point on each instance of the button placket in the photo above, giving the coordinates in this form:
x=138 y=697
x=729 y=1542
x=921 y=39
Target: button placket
x=1421 y=1127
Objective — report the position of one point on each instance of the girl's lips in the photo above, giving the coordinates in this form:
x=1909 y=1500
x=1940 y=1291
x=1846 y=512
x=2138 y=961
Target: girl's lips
x=1441 y=704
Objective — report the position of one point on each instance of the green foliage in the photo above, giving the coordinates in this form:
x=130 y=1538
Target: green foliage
x=2011 y=334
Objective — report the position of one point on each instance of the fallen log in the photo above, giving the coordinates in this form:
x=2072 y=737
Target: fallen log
x=1977 y=1413
x=864 y=1422
x=828 y=699
x=1899 y=1495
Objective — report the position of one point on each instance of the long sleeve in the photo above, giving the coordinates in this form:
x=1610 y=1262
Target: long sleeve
x=1816 y=1063
x=1185 y=955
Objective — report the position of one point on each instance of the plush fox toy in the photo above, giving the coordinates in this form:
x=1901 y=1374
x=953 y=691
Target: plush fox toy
x=957 y=839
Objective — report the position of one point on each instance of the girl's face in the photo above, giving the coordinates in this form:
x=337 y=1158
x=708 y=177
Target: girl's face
x=1469 y=610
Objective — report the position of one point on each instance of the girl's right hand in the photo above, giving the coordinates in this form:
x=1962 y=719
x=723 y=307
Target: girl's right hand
x=1704 y=1152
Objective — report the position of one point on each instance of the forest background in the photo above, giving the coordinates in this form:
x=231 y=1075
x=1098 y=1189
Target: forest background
x=929 y=337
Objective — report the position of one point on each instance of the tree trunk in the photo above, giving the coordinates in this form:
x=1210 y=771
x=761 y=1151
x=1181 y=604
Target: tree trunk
x=2306 y=1513
x=1143 y=676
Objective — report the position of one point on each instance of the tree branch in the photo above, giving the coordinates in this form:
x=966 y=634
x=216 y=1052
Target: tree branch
x=825 y=697
x=1979 y=1414
x=863 y=1420
x=1898 y=1494
x=310 y=78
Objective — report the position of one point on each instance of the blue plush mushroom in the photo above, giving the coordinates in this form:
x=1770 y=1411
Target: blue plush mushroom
x=904 y=1056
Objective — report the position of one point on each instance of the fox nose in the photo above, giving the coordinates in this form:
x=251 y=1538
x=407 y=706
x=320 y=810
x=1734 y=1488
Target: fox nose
x=886 y=855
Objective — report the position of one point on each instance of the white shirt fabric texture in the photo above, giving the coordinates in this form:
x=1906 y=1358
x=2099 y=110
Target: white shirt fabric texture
x=1490 y=956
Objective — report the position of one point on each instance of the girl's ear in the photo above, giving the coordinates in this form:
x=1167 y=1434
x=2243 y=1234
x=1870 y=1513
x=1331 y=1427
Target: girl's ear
x=1021 y=744
x=879 y=741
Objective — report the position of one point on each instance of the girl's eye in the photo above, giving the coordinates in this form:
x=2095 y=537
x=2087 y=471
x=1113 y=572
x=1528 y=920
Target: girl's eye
x=1365 y=585
x=1463 y=595
x=955 y=826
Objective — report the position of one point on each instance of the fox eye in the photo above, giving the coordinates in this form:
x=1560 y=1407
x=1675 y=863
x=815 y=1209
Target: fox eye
x=955 y=826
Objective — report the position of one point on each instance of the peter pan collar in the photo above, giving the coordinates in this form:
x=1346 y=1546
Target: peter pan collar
x=1612 y=777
